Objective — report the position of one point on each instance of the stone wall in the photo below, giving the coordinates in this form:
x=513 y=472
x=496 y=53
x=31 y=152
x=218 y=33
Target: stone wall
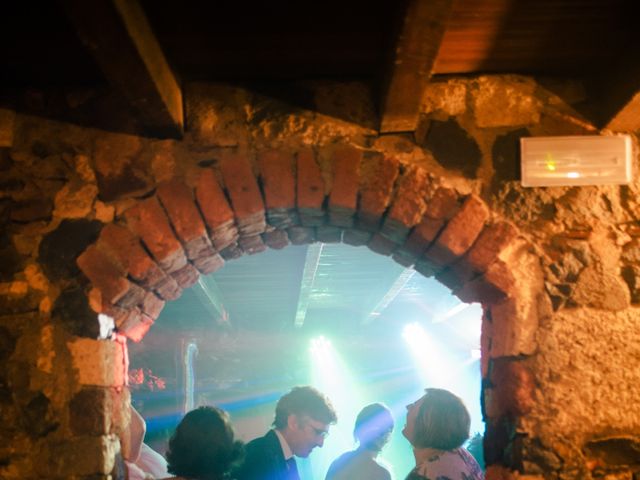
x=104 y=223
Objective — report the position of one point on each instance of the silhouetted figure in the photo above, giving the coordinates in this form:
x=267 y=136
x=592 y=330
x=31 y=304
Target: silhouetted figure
x=203 y=446
x=437 y=426
x=301 y=423
x=372 y=430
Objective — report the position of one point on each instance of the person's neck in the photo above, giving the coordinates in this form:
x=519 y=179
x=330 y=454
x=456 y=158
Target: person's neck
x=368 y=452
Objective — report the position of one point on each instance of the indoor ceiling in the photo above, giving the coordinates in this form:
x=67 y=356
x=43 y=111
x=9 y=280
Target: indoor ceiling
x=393 y=46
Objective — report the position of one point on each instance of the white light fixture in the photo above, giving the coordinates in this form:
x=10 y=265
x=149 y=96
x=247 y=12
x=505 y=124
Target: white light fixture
x=576 y=160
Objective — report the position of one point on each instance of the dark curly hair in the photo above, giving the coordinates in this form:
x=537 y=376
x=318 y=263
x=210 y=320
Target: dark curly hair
x=203 y=445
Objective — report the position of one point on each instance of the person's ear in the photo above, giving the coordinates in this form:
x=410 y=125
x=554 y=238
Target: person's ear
x=292 y=422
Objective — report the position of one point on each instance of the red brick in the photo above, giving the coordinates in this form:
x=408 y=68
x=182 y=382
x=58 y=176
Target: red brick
x=149 y=222
x=409 y=203
x=309 y=182
x=125 y=250
x=513 y=386
x=252 y=244
x=378 y=176
x=444 y=204
x=302 y=235
x=186 y=276
x=381 y=244
x=207 y=265
x=422 y=235
x=356 y=238
x=328 y=234
x=134 y=324
x=492 y=240
x=152 y=305
x=488 y=288
x=243 y=190
x=276 y=239
x=213 y=204
x=343 y=199
x=278 y=182
x=177 y=200
x=168 y=288
x=460 y=233
x=104 y=275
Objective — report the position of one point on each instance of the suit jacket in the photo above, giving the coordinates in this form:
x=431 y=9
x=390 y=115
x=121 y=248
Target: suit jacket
x=264 y=460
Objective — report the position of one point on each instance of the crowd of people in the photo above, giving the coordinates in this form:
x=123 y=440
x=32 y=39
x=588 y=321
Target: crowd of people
x=204 y=447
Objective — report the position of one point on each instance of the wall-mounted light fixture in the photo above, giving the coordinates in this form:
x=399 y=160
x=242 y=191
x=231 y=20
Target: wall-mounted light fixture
x=576 y=160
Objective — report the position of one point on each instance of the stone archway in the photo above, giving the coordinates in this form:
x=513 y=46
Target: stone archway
x=191 y=225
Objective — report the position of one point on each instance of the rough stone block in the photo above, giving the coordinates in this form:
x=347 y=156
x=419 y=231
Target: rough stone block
x=177 y=200
x=444 y=204
x=168 y=288
x=344 y=190
x=378 y=175
x=422 y=236
x=460 y=233
x=90 y=411
x=276 y=239
x=125 y=250
x=217 y=213
x=100 y=363
x=120 y=166
x=279 y=187
x=514 y=386
x=505 y=101
x=243 y=190
x=7 y=125
x=85 y=455
x=149 y=222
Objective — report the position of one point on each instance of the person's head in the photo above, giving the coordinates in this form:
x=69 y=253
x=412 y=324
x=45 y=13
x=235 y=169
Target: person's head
x=303 y=417
x=438 y=419
x=203 y=445
x=373 y=427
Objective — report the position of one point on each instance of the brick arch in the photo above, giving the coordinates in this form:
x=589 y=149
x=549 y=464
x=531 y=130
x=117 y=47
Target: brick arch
x=189 y=227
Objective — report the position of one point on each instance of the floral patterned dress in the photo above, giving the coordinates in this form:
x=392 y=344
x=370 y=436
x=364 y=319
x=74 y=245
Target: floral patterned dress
x=457 y=464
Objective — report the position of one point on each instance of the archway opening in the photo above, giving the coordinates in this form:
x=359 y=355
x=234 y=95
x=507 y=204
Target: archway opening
x=355 y=324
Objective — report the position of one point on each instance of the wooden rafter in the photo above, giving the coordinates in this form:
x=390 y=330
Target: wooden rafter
x=621 y=98
x=314 y=252
x=393 y=291
x=415 y=52
x=119 y=36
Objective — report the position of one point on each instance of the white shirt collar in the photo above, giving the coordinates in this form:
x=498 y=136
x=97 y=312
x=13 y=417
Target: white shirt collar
x=286 y=449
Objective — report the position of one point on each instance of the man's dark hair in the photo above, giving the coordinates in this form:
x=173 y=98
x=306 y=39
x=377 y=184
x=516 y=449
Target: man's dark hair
x=442 y=422
x=203 y=445
x=304 y=401
x=373 y=423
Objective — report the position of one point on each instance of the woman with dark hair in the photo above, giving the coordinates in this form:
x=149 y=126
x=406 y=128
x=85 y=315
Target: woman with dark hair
x=373 y=427
x=437 y=426
x=203 y=446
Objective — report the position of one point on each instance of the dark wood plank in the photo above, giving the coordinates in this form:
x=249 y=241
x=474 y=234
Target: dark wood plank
x=119 y=36
x=415 y=52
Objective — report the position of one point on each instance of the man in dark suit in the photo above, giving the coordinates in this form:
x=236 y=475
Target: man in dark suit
x=301 y=423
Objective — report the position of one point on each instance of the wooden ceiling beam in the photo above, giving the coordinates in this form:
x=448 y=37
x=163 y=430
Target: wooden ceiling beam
x=415 y=52
x=119 y=36
x=621 y=98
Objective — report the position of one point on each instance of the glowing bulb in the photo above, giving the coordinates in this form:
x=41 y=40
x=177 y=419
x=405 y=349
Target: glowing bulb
x=550 y=163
